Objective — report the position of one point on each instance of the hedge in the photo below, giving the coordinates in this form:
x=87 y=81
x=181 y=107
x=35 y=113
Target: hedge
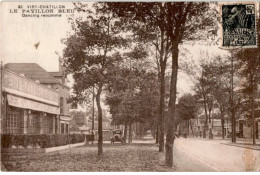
x=90 y=137
x=43 y=140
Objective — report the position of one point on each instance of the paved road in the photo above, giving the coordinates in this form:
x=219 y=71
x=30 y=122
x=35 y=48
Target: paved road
x=214 y=156
x=185 y=162
x=210 y=155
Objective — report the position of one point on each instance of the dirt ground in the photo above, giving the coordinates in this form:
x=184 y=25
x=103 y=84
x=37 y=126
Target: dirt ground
x=117 y=157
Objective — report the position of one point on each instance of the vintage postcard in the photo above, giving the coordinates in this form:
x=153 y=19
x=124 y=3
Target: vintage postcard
x=130 y=86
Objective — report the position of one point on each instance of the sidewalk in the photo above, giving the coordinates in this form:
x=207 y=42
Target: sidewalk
x=245 y=143
x=222 y=157
x=240 y=142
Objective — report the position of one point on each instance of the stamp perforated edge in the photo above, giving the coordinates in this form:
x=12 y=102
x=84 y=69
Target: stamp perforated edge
x=220 y=32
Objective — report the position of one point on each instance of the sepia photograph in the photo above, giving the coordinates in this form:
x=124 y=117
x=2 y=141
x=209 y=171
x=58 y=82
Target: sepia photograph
x=129 y=86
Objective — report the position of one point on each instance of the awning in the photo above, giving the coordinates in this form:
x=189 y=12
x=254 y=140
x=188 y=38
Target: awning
x=33 y=105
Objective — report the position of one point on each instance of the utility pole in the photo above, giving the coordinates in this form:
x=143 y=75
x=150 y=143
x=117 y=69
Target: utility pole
x=93 y=113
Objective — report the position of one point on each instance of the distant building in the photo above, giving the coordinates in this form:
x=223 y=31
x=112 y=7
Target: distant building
x=195 y=127
x=106 y=129
x=87 y=127
x=34 y=100
x=78 y=120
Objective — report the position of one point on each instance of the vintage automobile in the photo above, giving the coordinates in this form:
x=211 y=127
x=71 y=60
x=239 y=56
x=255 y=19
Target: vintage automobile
x=117 y=136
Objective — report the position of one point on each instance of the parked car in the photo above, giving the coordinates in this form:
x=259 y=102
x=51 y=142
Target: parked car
x=117 y=136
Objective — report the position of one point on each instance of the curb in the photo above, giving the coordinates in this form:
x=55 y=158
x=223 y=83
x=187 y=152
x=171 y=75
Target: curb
x=39 y=150
x=241 y=146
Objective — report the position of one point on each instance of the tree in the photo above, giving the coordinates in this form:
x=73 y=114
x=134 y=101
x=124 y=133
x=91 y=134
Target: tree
x=221 y=87
x=147 y=21
x=219 y=79
x=122 y=88
x=148 y=98
x=249 y=60
x=88 y=54
x=78 y=119
x=249 y=71
x=205 y=91
x=180 y=20
x=187 y=108
x=133 y=97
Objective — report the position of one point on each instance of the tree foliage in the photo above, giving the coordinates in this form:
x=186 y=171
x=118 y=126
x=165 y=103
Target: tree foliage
x=249 y=71
x=88 y=54
x=134 y=99
x=187 y=107
x=180 y=21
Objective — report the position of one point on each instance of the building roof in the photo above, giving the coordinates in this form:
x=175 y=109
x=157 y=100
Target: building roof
x=56 y=74
x=32 y=71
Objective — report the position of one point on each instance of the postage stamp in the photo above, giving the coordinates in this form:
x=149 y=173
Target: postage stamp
x=239 y=27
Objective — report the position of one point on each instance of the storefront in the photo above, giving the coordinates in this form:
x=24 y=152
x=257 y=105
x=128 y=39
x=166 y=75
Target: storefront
x=27 y=106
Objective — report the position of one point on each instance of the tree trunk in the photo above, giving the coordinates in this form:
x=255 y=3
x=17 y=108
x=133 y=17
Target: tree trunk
x=140 y=131
x=191 y=128
x=100 y=134
x=157 y=132
x=205 y=128
x=136 y=130
x=233 y=117
x=188 y=134
x=171 y=111
x=210 y=130
x=130 y=133
x=161 y=110
x=125 y=132
x=253 y=114
x=222 y=126
x=210 y=134
x=211 y=126
x=153 y=130
x=233 y=123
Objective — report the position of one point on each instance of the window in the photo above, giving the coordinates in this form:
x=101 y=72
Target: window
x=13 y=122
x=56 y=126
x=62 y=128
x=67 y=128
x=44 y=125
x=47 y=124
x=61 y=105
x=33 y=124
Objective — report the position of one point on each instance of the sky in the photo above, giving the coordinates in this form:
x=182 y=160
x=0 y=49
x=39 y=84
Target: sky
x=20 y=34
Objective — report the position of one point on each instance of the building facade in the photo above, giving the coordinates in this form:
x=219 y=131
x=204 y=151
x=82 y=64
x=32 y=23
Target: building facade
x=27 y=106
x=33 y=101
